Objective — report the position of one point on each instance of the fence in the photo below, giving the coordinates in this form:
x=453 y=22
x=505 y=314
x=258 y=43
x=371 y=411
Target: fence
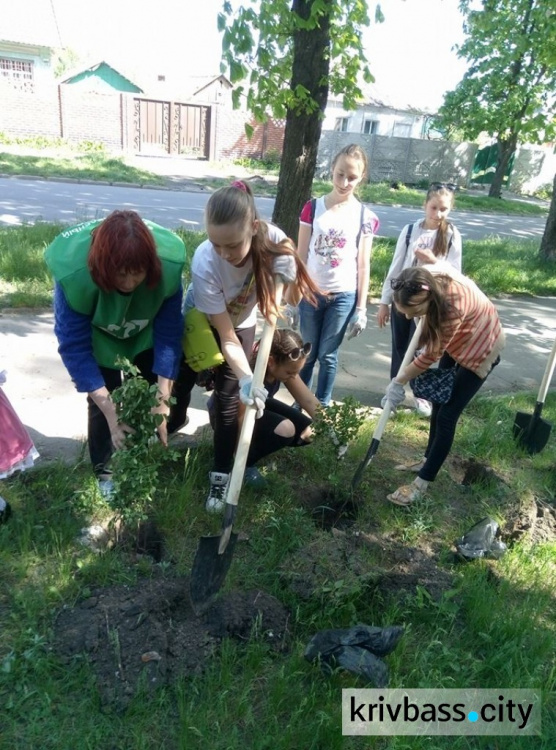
x=407 y=160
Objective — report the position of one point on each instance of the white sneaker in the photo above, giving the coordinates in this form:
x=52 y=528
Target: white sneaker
x=216 y=499
x=423 y=407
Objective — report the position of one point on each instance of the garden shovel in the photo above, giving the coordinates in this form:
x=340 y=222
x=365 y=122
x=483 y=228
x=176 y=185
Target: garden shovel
x=214 y=553
x=386 y=411
x=531 y=431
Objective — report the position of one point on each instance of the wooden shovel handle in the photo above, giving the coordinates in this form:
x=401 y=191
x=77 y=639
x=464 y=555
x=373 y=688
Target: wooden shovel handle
x=248 y=425
x=549 y=371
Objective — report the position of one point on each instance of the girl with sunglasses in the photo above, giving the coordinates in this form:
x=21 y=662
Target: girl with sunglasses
x=460 y=327
x=429 y=241
x=281 y=426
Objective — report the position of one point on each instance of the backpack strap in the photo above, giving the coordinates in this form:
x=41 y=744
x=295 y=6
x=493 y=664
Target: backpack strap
x=407 y=241
x=313 y=209
x=361 y=221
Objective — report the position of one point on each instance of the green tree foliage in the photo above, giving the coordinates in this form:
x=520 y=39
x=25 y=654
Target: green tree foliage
x=509 y=89
x=284 y=59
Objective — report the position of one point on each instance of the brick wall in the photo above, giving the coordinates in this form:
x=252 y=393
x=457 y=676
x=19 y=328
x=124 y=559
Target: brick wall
x=63 y=112
x=232 y=141
x=23 y=114
x=91 y=116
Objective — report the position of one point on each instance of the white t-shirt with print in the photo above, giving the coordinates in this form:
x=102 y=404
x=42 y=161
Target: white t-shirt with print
x=333 y=251
x=218 y=286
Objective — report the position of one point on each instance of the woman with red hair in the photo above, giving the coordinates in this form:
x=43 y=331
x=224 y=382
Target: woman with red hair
x=118 y=293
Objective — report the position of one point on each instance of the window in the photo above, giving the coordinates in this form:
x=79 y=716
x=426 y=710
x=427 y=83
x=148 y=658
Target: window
x=19 y=73
x=370 y=126
x=341 y=124
x=402 y=130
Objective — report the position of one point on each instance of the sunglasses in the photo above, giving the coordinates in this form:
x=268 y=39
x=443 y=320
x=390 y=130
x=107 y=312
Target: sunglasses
x=451 y=186
x=412 y=286
x=300 y=351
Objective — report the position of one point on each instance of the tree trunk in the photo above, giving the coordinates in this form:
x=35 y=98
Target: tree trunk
x=310 y=69
x=505 y=151
x=548 y=243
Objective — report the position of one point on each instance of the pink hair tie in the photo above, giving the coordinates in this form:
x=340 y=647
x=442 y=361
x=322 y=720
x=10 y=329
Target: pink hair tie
x=240 y=185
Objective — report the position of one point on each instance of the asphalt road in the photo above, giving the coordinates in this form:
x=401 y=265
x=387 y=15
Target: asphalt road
x=24 y=201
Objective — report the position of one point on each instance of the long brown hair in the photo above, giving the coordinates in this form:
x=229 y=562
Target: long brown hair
x=417 y=285
x=284 y=342
x=235 y=205
x=440 y=247
x=123 y=242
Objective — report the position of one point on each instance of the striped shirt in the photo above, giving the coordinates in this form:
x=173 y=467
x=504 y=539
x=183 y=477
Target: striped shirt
x=472 y=335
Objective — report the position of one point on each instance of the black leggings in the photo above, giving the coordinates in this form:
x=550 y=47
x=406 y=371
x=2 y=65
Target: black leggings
x=100 y=441
x=265 y=440
x=225 y=400
x=445 y=417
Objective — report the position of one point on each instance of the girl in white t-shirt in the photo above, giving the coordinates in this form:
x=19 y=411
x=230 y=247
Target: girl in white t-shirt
x=232 y=272
x=335 y=240
x=431 y=240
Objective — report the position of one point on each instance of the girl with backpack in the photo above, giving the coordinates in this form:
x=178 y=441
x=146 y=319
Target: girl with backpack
x=431 y=240
x=335 y=240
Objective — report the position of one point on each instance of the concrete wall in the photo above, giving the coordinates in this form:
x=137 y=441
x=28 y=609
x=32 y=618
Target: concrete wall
x=534 y=167
x=409 y=160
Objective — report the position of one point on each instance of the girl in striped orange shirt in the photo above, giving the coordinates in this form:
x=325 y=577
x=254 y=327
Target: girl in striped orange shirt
x=460 y=327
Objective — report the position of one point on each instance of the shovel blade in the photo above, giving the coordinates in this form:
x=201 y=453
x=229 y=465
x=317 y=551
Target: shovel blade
x=209 y=571
x=531 y=432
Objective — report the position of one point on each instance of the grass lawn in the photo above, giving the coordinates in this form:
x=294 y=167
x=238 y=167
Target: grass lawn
x=83 y=166
x=487 y=624
x=499 y=266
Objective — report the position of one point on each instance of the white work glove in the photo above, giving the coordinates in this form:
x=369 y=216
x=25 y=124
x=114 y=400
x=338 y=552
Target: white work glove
x=357 y=323
x=290 y=313
x=286 y=267
x=395 y=394
x=256 y=399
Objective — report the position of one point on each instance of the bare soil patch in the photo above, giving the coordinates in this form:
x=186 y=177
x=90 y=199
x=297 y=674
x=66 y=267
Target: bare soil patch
x=144 y=636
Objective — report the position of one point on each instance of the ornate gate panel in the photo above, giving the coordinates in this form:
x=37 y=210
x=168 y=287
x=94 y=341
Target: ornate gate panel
x=171 y=128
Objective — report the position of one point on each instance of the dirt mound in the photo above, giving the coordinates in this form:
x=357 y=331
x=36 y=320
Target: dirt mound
x=145 y=636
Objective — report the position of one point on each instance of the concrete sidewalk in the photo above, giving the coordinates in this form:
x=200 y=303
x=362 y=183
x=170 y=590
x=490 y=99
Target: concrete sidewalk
x=44 y=397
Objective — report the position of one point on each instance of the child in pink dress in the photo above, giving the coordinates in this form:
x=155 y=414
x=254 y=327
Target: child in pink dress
x=17 y=451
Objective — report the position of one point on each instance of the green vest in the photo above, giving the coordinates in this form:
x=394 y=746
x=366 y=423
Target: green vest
x=122 y=325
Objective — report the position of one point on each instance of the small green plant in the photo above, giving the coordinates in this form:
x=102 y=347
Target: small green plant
x=135 y=468
x=340 y=423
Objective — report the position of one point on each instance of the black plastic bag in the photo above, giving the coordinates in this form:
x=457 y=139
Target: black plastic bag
x=482 y=540
x=356 y=649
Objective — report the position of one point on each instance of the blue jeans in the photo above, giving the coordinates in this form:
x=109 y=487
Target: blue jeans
x=324 y=327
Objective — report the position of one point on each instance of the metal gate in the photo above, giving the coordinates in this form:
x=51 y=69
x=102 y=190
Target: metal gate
x=171 y=128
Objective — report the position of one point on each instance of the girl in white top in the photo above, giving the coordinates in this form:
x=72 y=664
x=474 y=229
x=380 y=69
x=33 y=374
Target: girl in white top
x=335 y=240
x=431 y=240
x=233 y=272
